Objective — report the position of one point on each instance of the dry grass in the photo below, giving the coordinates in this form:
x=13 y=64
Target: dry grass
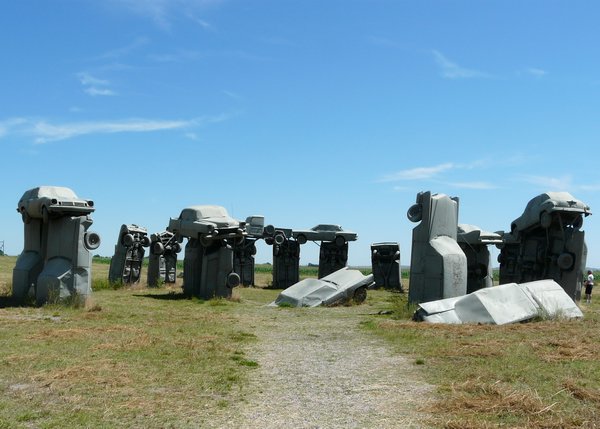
x=532 y=375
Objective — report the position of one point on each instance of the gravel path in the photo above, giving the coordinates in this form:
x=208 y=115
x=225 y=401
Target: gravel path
x=319 y=369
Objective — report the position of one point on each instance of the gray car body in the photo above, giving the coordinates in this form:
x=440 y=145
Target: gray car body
x=324 y=232
x=335 y=288
x=54 y=200
x=550 y=202
x=206 y=222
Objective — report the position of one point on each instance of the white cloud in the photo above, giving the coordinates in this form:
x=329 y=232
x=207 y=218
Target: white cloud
x=124 y=50
x=419 y=173
x=381 y=41
x=451 y=70
x=88 y=79
x=43 y=131
x=472 y=185
x=162 y=12
x=95 y=86
x=536 y=72
x=93 y=91
x=553 y=183
x=180 y=56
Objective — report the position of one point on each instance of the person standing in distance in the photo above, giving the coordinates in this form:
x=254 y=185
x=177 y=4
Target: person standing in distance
x=589 y=285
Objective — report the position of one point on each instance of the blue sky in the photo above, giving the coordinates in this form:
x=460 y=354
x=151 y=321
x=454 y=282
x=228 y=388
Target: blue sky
x=305 y=112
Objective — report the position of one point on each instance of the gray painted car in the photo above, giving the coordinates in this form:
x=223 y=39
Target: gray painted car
x=207 y=223
x=45 y=202
x=342 y=286
x=325 y=232
x=542 y=211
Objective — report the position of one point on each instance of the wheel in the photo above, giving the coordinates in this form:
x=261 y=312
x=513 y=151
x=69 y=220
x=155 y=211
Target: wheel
x=146 y=241
x=205 y=241
x=340 y=241
x=128 y=240
x=45 y=214
x=565 y=261
x=157 y=248
x=239 y=240
x=415 y=213
x=360 y=295
x=233 y=280
x=301 y=239
x=177 y=247
x=280 y=239
x=545 y=220
x=269 y=230
x=91 y=240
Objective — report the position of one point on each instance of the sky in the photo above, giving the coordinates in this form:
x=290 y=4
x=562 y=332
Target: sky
x=306 y=112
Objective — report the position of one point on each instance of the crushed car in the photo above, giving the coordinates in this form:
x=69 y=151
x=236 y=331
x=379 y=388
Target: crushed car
x=340 y=287
x=503 y=304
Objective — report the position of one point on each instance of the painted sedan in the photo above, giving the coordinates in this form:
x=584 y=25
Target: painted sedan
x=325 y=232
x=45 y=202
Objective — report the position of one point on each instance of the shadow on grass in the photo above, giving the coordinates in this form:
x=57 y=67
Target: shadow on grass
x=10 y=302
x=171 y=296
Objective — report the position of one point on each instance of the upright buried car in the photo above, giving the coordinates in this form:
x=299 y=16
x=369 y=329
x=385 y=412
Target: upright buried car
x=45 y=202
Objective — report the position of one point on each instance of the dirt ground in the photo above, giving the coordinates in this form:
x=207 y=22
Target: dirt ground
x=317 y=368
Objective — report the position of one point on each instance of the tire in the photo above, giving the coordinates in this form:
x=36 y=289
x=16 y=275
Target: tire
x=157 y=248
x=177 y=247
x=578 y=223
x=269 y=230
x=280 y=239
x=128 y=240
x=205 y=241
x=233 y=280
x=565 y=261
x=91 y=240
x=360 y=295
x=146 y=241
x=545 y=220
x=301 y=239
x=339 y=241
x=415 y=213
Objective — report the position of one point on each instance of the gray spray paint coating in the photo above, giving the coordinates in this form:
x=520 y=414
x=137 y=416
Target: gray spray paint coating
x=56 y=262
x=438 y=267
x=546 y=242
x=127 y=261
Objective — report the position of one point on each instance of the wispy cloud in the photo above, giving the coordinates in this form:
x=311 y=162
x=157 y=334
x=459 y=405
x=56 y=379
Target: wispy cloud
x=418 y=173
x=451 y=70
x=162 y=12
x=180 y=55
x=43 y=131
x=548 y=183
x=381 y=41
x=124 y=50
x=471 y=185
x=532 y=71
x=95 y=86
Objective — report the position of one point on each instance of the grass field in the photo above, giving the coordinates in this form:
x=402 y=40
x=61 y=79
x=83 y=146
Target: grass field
x=149 y=358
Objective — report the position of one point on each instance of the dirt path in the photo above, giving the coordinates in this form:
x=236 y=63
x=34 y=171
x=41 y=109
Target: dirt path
x=319 y=369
